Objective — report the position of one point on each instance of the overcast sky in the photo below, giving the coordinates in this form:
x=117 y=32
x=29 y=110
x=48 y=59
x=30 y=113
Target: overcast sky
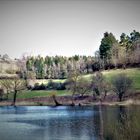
x=63 y=27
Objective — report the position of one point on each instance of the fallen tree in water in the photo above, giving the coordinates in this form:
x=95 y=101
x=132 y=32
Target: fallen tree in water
x=55 y=101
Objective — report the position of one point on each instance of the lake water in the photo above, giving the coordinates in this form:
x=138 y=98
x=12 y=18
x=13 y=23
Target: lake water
x=69 y=123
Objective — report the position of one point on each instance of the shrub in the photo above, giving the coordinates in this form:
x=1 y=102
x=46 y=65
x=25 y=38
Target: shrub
x=50 y=86
x=55 y=85
x=10 y=71
x=39 y=87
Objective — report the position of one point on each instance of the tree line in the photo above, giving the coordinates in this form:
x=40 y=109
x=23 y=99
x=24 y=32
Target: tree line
x=119 y=53
x=112 y=53
x=57 y=67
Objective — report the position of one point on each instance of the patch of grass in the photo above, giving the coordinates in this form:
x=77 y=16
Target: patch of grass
x=40 y=93
x=133 y=73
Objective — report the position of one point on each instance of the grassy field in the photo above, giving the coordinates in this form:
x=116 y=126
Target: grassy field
x=39 y=93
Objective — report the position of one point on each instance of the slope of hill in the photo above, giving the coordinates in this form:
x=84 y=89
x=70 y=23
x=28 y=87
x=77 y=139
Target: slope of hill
x=133 y=73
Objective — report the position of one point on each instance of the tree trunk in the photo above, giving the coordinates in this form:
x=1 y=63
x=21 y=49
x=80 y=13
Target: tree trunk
x=124 y=66
x=72 y=104
x=120 y=98
x=94 y=96
x=105 y=95
x=7 y=94
x=15 y=96
x=56 y=102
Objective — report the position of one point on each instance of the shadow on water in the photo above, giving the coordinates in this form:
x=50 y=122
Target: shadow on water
x=70 y=123
x=13 y=110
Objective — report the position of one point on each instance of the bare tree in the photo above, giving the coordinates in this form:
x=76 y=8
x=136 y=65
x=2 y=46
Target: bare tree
x=17 y=85
x=99 y=85
x=106 y=87
x=121 y=85
x=122 y=56
x=83 y=86
x=13 y=85
x=73 y=81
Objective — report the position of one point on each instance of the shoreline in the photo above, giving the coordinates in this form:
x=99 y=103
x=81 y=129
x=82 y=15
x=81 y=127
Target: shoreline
x=66 y=100
x=128 y=102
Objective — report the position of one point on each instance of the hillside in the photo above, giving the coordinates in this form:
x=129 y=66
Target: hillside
x=133 y=73
x=8 y=66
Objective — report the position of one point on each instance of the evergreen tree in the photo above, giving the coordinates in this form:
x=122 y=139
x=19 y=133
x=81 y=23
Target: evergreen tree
x=106 y=45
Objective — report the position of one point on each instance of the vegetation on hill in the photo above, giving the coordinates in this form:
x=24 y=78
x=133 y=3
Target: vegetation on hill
x=112 y=53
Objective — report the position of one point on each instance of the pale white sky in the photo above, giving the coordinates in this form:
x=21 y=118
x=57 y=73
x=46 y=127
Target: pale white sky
x=63 y=27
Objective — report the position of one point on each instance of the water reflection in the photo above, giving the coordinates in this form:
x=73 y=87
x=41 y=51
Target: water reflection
x=70 y=123
x=124 y=124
